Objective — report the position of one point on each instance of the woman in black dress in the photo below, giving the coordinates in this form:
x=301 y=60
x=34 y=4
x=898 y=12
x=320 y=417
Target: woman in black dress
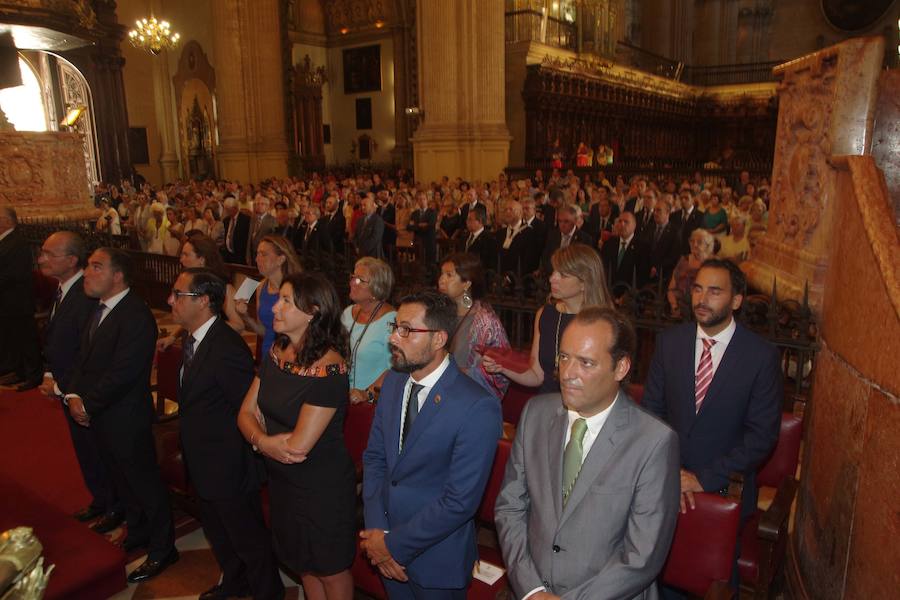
x=294 y=415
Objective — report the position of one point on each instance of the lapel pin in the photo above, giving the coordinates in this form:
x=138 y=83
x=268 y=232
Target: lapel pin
x=437 y=399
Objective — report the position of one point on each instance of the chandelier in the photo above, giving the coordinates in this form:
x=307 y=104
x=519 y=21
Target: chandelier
x=153 y=35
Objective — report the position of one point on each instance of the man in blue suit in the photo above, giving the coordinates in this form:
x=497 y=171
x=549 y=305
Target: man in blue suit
x=428 y=460
x=718 y=385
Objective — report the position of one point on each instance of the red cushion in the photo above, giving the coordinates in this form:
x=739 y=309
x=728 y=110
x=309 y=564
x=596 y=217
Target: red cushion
x=366 y=577
x=514 y=401
x=636 y=391
x=703 y=549
x=88 y=566
x=478 y=590
x=486 y=510
x=782 y=463
x=748 y=562
x=168 y=365
x=357 y=425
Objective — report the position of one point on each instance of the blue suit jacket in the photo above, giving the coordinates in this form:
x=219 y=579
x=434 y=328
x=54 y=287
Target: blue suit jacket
x=427 y=496
x=737 y=426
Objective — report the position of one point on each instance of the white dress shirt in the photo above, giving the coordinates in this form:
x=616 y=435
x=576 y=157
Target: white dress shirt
x=428 y=382
x=723 y=338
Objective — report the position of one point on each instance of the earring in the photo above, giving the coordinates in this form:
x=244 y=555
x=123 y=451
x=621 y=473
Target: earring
x=467 y=300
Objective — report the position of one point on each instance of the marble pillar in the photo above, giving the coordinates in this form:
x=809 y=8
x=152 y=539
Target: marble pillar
x=461 y=90
x=250 y=90
x=826 y=109
x=165 y=117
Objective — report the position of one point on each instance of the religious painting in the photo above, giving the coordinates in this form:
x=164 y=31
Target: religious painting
x=362 y=69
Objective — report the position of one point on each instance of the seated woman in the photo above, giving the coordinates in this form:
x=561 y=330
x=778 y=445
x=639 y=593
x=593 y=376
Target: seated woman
x=478 y=328
x=702 y=246
x=736 y=245
x=715 y=217
x=294 y=414
x=577 y=281
x=275 y=260
x=367 y=321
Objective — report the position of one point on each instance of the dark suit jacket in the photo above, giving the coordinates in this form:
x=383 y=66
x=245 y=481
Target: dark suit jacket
x=16 y=285
x=595 y=225
x=522 y=256
x=337 y=230
x=541 y=230
x=318 y=242
x=65 y=331
x=240 y=238
x=634 y=264
x=484 y=246
x=260 y=227
x=687 y=226
x=665 y=252
x=368 y=236
x=423 y=223
x=112 y=371
x=554 y=240
x=427 y=496
x=738 y=422
x=644 y=219
x=220 y=463
x=388 y=214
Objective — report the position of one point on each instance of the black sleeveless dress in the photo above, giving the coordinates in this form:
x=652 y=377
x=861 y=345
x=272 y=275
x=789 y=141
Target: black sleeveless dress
x=313 y=503
x=551 y=327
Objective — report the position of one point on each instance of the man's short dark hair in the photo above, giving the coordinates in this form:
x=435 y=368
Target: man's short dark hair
x=738 y=279
x=624 y=338
x=556 y=194
x=207 y=283
x=120 y=262
x=10 y=214
x=75 y=246
x=440 y=310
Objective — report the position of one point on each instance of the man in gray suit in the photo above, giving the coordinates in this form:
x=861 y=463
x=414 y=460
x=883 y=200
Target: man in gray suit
x=594 y=517
x=370 y=230
x=261 y=225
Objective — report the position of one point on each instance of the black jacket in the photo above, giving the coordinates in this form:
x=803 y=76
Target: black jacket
x=65 y=331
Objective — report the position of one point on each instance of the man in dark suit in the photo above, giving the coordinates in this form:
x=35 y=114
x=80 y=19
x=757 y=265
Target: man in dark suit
x=589 y=448
x=237 y=233
x=388 y=213
x=719 y=386
x=644 y=216
x=602 y=217
x=625 y=256
x=109 y=391
x=20 y=353
x=564 y=234
x=516 y=243
x=314 y=241
x=428 y=459
x=283 y=225
x=63 y=256
x=529 y=216
x=664 y=242
x=687 y=220
x=423 y=224
x=335 y=223
x=480 y=241
x=370 y=230
x=470 y=204
x=262 y=223
x=217 y=370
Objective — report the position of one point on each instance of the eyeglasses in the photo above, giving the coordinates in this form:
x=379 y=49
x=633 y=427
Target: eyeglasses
x=358 y=280
x=51 y=255
x=404 y=330
x=178 y=293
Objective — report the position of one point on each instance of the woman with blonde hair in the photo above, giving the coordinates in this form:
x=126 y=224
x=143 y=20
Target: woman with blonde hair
x=703 y=246
x=578 y=280
x=275 y=260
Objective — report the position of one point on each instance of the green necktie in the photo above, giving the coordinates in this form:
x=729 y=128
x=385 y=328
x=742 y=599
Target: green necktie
x=572 y=457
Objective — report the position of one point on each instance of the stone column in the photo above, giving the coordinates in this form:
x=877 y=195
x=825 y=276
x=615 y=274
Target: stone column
x=461 y=91
x=250 y=90
x=165 y=116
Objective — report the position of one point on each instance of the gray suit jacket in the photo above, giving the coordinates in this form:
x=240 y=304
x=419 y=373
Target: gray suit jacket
x=612 y=538
x=259 y=228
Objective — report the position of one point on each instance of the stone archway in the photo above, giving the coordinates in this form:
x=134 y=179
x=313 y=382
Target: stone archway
x=195 y=86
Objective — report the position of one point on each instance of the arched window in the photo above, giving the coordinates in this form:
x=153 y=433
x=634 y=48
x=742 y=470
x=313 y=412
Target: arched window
x=24 y=104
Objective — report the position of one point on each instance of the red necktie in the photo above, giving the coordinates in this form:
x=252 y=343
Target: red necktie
x=704 y=373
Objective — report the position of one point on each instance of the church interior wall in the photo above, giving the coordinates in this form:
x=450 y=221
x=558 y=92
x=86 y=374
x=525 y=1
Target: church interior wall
x=319 y=57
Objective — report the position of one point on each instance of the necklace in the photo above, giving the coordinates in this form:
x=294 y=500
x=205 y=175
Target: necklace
x=361 y=336
x=556 y=354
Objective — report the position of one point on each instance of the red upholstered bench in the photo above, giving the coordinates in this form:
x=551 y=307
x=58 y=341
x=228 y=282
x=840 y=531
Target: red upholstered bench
x=88 y=566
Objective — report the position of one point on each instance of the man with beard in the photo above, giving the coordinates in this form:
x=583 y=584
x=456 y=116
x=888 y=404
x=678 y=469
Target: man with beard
x=429 y=456
x=718 y=385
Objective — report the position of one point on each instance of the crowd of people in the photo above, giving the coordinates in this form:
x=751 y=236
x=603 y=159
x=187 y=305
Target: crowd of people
x=436 y=365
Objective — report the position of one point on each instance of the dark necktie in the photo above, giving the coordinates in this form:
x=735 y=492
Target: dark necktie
x=470 y=241
x=657 y=234
x=95 y=320
x=412 y=410
x=622 y=247
x=56 y=301
x=187 y=351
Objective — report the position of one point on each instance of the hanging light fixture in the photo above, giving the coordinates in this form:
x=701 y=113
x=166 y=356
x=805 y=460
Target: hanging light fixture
x=153 y=35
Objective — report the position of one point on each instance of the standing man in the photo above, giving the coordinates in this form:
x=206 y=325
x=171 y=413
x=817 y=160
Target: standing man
x=589 y=449
x=429 y=456
x=423 y=224
x=664 y=242
x=625 y=256
x=261 y=225
x=20 y=352
x=687 y=220
x=564 y=234
x=216 y=372
x=63 y=257
x=334 y=223
x=370 y=231
x=718 y=385
x=109 y=392
x=237 y=232
x=480 y=241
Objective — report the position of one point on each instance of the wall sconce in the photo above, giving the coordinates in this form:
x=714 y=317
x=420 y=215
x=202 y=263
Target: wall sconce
x=413 y=111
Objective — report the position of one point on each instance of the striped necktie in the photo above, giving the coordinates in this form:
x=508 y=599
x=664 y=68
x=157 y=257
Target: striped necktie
x=704 y=373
